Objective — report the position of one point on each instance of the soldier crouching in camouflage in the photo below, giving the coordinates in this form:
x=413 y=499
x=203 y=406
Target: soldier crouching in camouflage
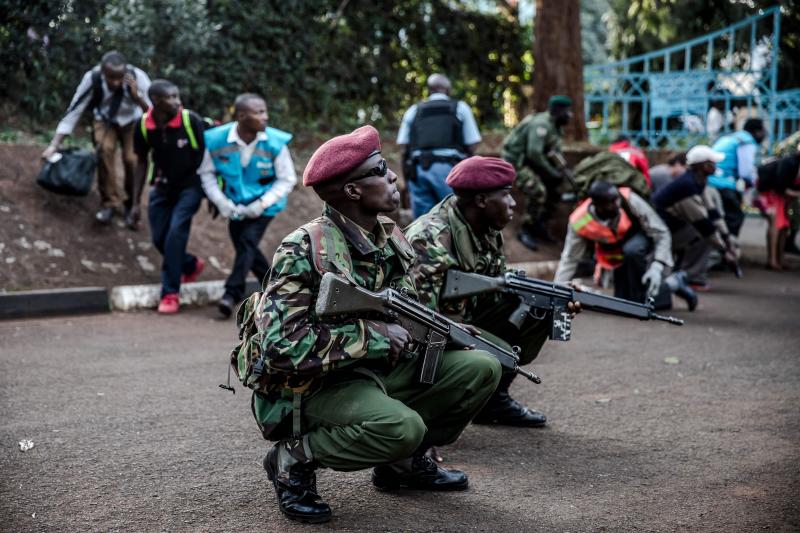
x=463 y=232
x=530 y=147
x=338 y=395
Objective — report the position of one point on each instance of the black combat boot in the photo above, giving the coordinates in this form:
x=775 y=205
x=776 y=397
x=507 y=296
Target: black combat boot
x=527 y=238
x=503 y=410
x=419 y=473
x=292 y=473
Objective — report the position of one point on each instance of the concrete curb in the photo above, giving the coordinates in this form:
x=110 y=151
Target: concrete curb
x=134 y=297
x=88 y=300
x=537 y=269
x=52 y=302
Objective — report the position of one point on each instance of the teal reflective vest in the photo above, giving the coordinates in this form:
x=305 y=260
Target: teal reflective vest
x=245 y=185
x=728 y=168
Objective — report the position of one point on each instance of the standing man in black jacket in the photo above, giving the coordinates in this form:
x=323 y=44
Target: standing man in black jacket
x=173 y=136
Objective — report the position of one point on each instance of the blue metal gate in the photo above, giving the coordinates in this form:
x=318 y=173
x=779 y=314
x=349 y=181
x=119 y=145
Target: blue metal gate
x=694 y=91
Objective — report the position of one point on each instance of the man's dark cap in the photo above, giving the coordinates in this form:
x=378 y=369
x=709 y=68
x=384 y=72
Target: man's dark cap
x=559 y=100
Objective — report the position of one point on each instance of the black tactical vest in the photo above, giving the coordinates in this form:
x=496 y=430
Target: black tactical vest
x=436 y=125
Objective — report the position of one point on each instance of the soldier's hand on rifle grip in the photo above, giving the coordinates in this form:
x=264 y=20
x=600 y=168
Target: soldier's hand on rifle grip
x=398 y=340
x=575 y=307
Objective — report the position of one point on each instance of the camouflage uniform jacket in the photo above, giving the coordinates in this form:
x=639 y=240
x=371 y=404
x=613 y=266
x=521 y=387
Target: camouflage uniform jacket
x=442 y=240
x=297 y=347
x=529 y=143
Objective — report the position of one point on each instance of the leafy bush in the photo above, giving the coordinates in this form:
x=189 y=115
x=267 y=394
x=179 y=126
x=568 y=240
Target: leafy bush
x=323 y=65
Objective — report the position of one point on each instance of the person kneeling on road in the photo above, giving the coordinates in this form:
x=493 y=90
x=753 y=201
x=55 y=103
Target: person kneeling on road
x=626 y=233
x=696 y=225
x=174 y=137
x=463 y=232
x=338 y=394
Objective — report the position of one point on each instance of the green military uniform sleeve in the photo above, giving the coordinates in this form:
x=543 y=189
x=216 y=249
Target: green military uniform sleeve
x=294 y=340
x=541 y=139
x=433 y=261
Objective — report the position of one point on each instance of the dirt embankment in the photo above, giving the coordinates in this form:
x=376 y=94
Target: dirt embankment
x=47 y=240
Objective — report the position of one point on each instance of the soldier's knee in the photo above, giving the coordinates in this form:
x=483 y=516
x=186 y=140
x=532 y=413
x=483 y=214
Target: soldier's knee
x=481 y=367
x=635 y=247
x=489 y=367
x=404 y=435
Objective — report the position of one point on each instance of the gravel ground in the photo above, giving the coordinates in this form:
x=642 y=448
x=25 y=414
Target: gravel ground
x=131 y=432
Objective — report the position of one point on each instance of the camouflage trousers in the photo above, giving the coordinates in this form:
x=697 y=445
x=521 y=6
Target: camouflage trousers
x=541 y=195
x=364 y=421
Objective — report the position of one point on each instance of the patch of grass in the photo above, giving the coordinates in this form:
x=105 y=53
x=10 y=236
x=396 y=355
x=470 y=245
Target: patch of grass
x=9 y=136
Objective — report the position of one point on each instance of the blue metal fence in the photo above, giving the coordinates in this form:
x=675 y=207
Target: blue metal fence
x=694 y=91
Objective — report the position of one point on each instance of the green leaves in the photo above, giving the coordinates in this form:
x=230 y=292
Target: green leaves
x=319 y=67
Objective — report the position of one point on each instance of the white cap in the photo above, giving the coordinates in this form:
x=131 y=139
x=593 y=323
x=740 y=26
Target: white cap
x=702 y=153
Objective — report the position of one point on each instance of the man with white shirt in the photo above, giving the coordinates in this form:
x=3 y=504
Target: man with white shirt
x=247 y=173
x=436 y=134
x=116 y=94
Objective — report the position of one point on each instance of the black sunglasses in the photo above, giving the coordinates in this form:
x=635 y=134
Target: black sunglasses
x=379 y=170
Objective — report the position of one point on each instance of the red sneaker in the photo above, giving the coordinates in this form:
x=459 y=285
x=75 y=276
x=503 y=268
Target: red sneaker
x=198 y=269
x=169 y=304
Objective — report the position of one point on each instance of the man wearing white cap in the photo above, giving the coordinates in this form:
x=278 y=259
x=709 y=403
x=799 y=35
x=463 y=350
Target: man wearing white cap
x=696 y=225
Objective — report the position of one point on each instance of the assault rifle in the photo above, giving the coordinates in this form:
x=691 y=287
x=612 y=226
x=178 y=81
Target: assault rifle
x=338 y=297
x=542 y=296
x=557 y=158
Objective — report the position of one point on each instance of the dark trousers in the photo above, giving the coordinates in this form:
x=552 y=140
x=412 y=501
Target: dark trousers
x=628 y=276
x=691 y=252
x=170 y=215
x=732 y=204
x=246 y=235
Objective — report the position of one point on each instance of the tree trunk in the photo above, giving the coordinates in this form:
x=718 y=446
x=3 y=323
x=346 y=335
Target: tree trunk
x=557 y=60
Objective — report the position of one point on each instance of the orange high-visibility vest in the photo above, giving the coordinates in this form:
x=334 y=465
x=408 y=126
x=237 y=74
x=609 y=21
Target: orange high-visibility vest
x=607 y=243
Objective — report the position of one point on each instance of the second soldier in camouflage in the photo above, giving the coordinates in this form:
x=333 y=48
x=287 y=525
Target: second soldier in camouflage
x=462 y=232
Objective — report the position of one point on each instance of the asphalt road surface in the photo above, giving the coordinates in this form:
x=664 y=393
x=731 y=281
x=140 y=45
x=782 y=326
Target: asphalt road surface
x=131 y=432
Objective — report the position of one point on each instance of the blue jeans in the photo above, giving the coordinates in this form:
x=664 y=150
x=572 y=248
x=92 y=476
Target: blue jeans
x=429 y=188
x=246 y=235
x=170 y=214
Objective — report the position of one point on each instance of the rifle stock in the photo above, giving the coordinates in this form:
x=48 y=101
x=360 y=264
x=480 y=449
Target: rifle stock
x=558 y=158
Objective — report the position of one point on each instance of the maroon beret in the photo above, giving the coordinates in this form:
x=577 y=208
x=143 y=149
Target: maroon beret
x=481 y=173
x=340 y=155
